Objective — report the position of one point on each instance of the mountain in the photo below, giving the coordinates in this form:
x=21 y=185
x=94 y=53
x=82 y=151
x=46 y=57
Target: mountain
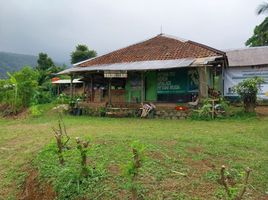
x=11 y=62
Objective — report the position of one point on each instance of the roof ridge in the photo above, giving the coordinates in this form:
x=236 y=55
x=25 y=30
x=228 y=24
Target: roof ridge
x=173 y=37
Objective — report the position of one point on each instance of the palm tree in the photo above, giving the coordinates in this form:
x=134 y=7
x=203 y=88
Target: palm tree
x=263 y=8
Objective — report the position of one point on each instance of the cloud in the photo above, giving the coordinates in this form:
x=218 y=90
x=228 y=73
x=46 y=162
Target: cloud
x=56 y=27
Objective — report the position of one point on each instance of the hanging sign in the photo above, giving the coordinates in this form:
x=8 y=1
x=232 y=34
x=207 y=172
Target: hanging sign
x=115 y=74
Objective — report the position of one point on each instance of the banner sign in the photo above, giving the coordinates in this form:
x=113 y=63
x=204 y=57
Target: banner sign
x=115 y=74
x=235 y=75
x=172 y=82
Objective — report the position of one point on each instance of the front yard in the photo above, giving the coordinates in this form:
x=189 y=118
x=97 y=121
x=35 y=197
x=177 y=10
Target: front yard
x=196 y=149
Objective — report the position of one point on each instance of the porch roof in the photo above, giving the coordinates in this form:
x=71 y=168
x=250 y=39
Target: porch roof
x=144 y=65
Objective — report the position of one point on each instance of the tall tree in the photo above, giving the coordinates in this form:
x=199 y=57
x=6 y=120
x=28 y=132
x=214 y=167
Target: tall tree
x=263 y=8
x=260 y=35
x=44 y=62
x=82 y=53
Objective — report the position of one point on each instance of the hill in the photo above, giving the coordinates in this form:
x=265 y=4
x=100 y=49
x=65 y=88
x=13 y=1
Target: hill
x=10 y=62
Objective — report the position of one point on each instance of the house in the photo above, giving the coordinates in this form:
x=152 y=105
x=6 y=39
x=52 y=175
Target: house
x=246 y=63
x=162 y=69
x=63 y=86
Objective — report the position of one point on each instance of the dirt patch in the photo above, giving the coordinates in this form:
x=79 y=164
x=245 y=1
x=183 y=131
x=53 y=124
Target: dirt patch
x=155 y=155
x=195 y=149
x=34 y=190
x=262 y=110
x=169 y=143
x=7 y=112
x=114 y=169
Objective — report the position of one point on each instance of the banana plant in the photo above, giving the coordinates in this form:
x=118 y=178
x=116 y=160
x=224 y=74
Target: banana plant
x=14 y=82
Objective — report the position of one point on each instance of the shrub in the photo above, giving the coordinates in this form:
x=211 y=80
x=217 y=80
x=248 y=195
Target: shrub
x=35 y=111
x=248 y=90
x=18 y=90
x=132 y=168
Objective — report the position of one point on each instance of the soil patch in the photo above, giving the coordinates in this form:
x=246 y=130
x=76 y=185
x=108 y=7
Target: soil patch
x=262 y=110
x=34 y=190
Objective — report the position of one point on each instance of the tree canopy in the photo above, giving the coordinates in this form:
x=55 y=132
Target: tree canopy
x=82 y=53
x=263 y=8
x=260 y=36
x=44 y=62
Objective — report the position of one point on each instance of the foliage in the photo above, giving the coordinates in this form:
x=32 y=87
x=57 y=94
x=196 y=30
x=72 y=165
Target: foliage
x=67 y=180
x=60 y=135
x=82 y=146
x=46 y=68
x=190 y=147
x=133 y=166
x=63 y=99
x=248 y=89
x=260 y=35
x=82 y=53
x=26 y=81
x=35 y=111
x=18 y=90
x=44 y=62
x=230 y=188
x=263 y=8
x=221 y=110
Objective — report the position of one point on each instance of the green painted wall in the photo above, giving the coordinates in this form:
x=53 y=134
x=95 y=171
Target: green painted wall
x=179 y=81
x=151 y=86
x=133 y=87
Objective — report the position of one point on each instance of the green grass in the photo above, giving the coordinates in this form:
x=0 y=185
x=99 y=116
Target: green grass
x=195 y=148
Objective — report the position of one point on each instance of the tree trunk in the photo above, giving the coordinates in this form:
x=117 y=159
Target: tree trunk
x=249 y=106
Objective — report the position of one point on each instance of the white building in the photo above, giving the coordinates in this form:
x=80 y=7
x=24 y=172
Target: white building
x=246 y=63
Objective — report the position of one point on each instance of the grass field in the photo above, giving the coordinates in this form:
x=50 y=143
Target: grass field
x=194 y=148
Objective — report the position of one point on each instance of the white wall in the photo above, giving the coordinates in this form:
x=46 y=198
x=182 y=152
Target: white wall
x=234 y=75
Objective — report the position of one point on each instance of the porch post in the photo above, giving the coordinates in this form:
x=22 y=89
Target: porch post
x=142 y=87
x=203 y=89
x=109 y=92
x=71 y=86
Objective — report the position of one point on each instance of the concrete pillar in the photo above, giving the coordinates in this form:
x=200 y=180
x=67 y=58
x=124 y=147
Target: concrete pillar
x=203 y=82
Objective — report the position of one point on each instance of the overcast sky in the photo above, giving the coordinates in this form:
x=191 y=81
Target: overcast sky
x=57 y=26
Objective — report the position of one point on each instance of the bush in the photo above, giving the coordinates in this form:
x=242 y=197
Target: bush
x=35 y=111
x=248 y=90
x=18 y=90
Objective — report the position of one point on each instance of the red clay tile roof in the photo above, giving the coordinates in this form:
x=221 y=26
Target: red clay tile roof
x=161 y=47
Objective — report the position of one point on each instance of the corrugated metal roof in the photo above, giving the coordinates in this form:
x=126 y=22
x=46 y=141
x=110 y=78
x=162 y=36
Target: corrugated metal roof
x=134 y=66
x=66 y=81
x=251 y=56
x=144 y=65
